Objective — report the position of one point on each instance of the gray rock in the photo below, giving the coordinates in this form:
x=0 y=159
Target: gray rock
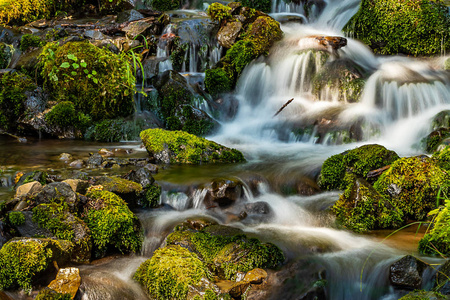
x=95 y=35
x=30 y=228
x=5 y=234
x=407 y=272
x=134 y=29
x=129 y=16
x=228 y=34
x=95 y=161
x=143 y=176
x=58 y=191
x=223 y=193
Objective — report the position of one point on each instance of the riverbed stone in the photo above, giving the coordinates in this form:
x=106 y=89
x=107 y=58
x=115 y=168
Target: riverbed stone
x=407 y=272
x=129 y=16
x=58 y=191
x=28 y=189
x=67 y=281
x=78 y=185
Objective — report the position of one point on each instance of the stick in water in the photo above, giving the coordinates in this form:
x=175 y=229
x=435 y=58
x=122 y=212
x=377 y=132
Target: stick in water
x=283 y=107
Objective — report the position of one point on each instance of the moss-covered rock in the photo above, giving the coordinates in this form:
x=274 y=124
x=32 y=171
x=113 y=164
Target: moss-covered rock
x=152 y=195
x=13 y=89
x=219 y=12
x=66 y=226
x=49 y=294
x=64 y=115
x=98 y=82
x=423 y=295
x=6 y=52
x=409 y=27
x=358 y=161
x=30 y=40
x=24 y=11
x=113 y=226
x=16 y=218
x=217 y=81
x=22 y=260
x=435 y=139
x=164 y=5
x=442 y=158
x=181 y=147
x=413 y=184
x=361 y=208
x=437 y=240
x=170 y=272
x=192 y=120
x=226 y=251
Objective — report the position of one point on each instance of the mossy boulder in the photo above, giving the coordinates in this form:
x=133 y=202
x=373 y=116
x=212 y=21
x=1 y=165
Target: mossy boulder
x=13 y=94
x=413 y=184
x=358 y=161
x=181 y=147
x=192 y=120
x=409 y=27
x=64 y=115
x=125 y=189
x=227 y=251
x=361 y=208
x=24 y=260
x=30 y=41
x=113 y=226
x=437 y=240
x=66 y=226
x=49 y=294
x=98 y=82
x=6 y=52
x=424 y=295
x=171 y=272
x=436 y=138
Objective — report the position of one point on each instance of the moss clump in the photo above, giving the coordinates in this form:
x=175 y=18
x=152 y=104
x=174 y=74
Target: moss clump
x=442 y=158
x=119 y=185
x=22 y=260
x=228 y=254
x=217 y=81
x=170 y=272
x=410 y=27
x=112 y=224
x=49 y=294
x=64 y=115
x=219 y=12
x=182 y=147
x=262 y=5
x=361 y=208
x=152 y=195
x=413 y=184
x=30 y=40
x=164 y=5
x=437 y=241
x=98 y=82
x=12 y=98
x=423 y=295
x=114 y=130
x=358 y=161
x=20 y=12
x=16 y=218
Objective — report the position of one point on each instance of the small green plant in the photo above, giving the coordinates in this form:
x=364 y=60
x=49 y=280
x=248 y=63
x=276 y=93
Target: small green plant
x=16 y=218
x=29 y=40
x=64 y=115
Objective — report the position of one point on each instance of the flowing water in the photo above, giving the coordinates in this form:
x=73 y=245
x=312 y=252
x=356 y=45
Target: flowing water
x=399 y=99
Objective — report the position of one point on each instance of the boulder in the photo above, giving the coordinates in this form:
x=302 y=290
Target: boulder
x=255 y=276
x=138 y=28
x=67 y=281
x=58 y=192
x=5 y=233
x=30 y=228
x=94 y=161
x=223 y=193
x=228 y=34
x=125 y=189
x=324 y=43
x=128 y=16
x=142 y=176
x=28 y=190
x=407 y=273
x=78 y=185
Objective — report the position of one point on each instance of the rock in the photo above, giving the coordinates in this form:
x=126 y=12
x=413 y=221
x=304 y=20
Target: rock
x=223 y=193
x=65 y=157
x=31 y=228
x=5 y=233
x=58 y=191
x=94 y=161
x=32 y=176
x=20 y=206
x=129 y=16
x=137 y=28
x=143 y=176
x=407 y=272
x=28 y=60
x=190 y=149
x=151 y=65
x=125 y=189
x=77 y=164
x=238 y=288
x=228 y=34
x=435 y=139
x=324 y=43
x=95 y=35
x=67 y=281
x=40 y=24
x=255 y=276
x=6 y=52
x=78 y=185
x=28 y=189
x=424 y=295
x=105 y=152
x=193 y=120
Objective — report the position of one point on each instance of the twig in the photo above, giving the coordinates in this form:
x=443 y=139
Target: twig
x=283 y=107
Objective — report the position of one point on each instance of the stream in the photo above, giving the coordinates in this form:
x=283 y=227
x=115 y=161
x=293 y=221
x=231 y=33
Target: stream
x=400 y=98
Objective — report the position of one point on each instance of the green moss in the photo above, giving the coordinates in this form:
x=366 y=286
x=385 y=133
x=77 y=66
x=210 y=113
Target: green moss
x=30 y=40
x=217 y=81
x=219 y=12
x=152 y=195
x=49 y=294
x=164 y=5
x=19 y=12
x=119 y=185
x=12 y=98
x=358 y=161
x=228 y=254
x=98 y=82
x=114 y=130
x=409 y=26
x=22 y=260
x=187 y=148
x=262 y=5
x=423 y=295
x=443 y=158
x=210 y=295
x=191 y=120
x=263 y=32
x=112 y=224
x=35 y=176
x=170 y=272
x=437 y=241
x=178 y=54
x=52 y=217
x=413 y=184
x=16 y=218
x=64 y=115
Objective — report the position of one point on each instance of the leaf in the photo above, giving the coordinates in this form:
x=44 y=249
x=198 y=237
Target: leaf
x=64 y=65
x=86 y=71
x=95 y=80
x=74 y=73
x=72 y=57
x=89 y=76
x=94 y=72
x=75 y=66
x=83 y=64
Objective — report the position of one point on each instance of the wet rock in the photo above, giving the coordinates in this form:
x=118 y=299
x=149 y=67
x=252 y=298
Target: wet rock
x=127 y=190
x=237 y=289
x=324 y=43
x=20 y=206
x=57 y=191
x=129 y=16
x=28 y=60
x=94 y=161
x=255 y=276
x=124 y=44
x=442 y=283
x=78 y=185
x=31 y=228
x=151 y=66
x=407 y=272
x=223 y=193
x=32 y=176
x=143 y=176
x=40 y=24
x=228 y=34
x=435 y=139
x=77 y=164
x=260 y=207
x=194 y=120
x=137 y=28
x=105 y=152
x=67 y=281
x=95 y=35
x=65 y=157
x=6 y=52
x=5 y=233
x=28 y=189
